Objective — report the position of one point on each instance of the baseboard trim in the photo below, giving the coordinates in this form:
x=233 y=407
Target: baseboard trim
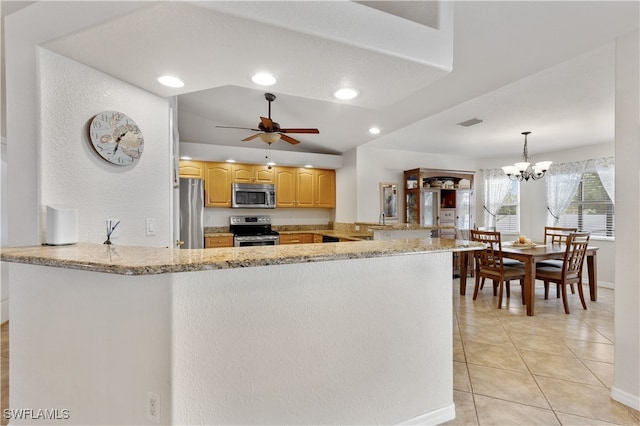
x=626 y=398
x=605 y=284
x=435 y=417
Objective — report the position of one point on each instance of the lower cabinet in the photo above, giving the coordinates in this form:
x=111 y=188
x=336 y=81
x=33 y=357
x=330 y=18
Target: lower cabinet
x=216 y=242
x=302 y=238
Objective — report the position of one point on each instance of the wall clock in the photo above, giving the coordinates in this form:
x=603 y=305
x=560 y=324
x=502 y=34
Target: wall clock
x=116 y=138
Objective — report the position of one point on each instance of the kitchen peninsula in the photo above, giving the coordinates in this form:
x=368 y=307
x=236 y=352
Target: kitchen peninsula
x=356 y=332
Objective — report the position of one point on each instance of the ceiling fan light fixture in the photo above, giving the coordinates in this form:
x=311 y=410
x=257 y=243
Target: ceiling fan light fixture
x=269 y=137
x=264 y=79
x=345 y=94
x=171 y=81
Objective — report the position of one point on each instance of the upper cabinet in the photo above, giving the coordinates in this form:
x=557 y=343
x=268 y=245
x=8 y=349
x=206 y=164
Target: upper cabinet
x=217 y=185
x=191 y=169
x=296 y=187
x=305 y=188
x=251 y=173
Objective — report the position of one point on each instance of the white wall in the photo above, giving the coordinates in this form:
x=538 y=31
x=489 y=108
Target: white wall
x=626 y=387
x=4 y=273
x=376 y=165
x=73 y=175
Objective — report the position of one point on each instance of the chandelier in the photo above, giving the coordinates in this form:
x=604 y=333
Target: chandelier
x=524 y=170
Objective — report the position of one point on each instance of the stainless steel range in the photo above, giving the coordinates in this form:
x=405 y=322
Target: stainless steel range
x=253 y=231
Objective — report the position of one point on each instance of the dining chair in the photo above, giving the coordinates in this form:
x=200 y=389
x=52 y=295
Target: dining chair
x=556 y=235
x=489 y=264
x=505 y=262
x=571 y=270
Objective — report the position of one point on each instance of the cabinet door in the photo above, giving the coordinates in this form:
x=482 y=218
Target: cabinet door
x=215 y=242
x=285 y=186
x=464 y=217
x=305 y=191
x=326 y=188
x=263 y=174
x=217 y=185
x=191 y=169
x=242 y=173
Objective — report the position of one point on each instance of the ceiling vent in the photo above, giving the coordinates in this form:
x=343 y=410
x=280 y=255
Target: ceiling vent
x=471 y=122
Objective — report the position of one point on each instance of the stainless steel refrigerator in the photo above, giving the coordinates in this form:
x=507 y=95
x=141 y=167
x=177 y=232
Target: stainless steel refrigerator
x=192 y=213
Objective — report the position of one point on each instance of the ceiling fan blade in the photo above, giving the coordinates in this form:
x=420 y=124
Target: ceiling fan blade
x=241 y=128
x=289 y=139
x=267 y=123
x=251 y=137
x=300 y=131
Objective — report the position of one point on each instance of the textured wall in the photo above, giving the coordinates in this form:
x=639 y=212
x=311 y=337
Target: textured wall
x=71 y=174
x=366 y=341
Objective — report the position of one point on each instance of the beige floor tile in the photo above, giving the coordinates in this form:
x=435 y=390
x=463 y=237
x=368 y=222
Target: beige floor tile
x=490 y=335
x=461 y=380
x=458 y=349
x=571 y=420
x=602 y=370
x=591 y=351
x=559 y=367
x=504 y=357
x=593 y=402
x=536 y=342
x=465 y=410
x=506 y=385
x=493 y=411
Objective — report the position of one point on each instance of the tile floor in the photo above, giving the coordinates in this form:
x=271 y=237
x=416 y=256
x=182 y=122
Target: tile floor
x=550 y=369
x=510 y=369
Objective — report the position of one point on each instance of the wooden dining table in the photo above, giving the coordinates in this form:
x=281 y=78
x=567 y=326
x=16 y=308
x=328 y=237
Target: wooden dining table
x=531 y=256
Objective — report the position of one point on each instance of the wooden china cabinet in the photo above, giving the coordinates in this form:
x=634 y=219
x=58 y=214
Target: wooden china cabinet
x=442 y=198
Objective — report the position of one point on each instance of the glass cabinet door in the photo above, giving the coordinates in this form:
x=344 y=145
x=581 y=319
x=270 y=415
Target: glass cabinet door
x=429 y=211
x=411 y=204
x=463 y=213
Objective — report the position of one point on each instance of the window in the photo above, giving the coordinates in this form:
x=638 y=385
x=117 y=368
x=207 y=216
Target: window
x=508 y=217
x=591 y=209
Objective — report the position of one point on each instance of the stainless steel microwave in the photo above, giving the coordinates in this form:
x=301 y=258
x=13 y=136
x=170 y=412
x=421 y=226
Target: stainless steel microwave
x=253 y=195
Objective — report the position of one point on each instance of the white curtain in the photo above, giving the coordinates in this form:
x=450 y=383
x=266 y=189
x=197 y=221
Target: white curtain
x=562 y=181
x=496 y=187
x=607 y=171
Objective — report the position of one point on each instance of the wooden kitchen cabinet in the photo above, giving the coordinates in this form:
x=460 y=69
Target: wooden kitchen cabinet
x=217 y=185
x=216 y=242
x=251 y=173
x=305 y=188
x=191 y=169
x=301 y=238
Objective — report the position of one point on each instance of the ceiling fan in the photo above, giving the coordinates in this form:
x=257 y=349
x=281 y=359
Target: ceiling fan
x=270 y=131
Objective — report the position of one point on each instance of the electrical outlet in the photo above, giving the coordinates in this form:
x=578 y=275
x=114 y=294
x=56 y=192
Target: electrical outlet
x=153 y=407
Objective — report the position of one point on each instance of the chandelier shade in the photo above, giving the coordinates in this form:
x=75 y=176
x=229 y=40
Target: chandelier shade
x=524 y=170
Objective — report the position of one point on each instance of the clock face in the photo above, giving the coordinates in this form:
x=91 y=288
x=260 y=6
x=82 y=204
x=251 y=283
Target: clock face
x=116 y=138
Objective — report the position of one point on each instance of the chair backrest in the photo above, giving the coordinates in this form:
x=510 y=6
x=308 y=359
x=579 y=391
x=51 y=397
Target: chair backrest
x=574 y=255
x=491 y=257
x=556 y=234
x=484 y=228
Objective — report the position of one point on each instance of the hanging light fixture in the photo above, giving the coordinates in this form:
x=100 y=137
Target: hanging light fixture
x=269 y=137
x=524 y=170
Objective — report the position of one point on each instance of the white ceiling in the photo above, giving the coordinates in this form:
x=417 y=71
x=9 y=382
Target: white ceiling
x=545 y=67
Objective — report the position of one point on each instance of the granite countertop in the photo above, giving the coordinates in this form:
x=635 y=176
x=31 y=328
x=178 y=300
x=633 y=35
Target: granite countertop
x=128 y=260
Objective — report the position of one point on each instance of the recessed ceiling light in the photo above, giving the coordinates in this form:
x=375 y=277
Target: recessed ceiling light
x=374 y=130
x=271 y=163
x=264 y=79
x=308 y=166
x=184 y=157
x=345 y=93
x=230 y=160
x=171 y=81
